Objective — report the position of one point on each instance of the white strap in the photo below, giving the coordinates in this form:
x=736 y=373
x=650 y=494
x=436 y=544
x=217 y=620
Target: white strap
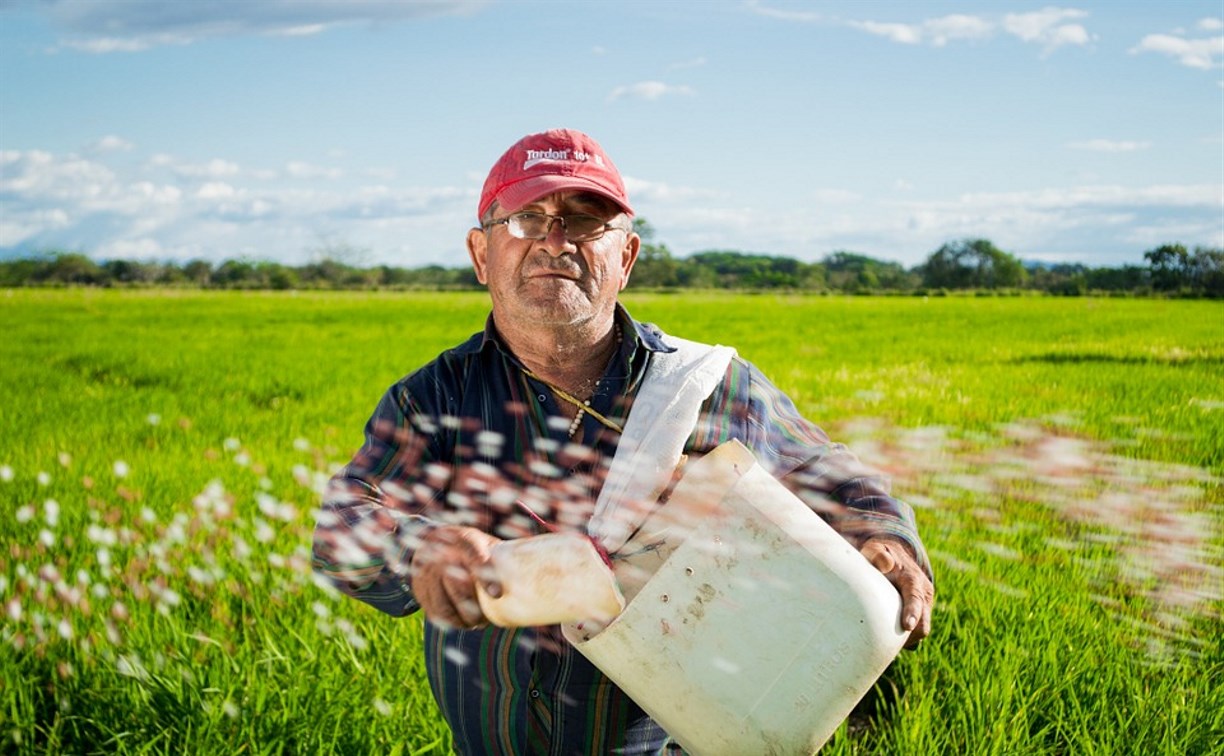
x=660 y=422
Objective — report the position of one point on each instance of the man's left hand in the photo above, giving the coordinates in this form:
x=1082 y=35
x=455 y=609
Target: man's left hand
x=895 y=560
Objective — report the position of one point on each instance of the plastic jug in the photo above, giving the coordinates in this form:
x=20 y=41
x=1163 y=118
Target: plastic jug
x=548 y=579
x=751 y=626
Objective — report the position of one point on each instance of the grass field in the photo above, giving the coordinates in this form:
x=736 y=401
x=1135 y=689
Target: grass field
x=161 y=453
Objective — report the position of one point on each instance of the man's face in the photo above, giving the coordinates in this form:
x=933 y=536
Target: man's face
x=553 y=281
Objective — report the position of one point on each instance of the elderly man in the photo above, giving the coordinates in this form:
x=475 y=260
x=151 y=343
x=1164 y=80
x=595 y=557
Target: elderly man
x=533 y=408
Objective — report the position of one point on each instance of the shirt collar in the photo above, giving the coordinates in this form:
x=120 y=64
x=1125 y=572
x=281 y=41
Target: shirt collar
x=647 y=335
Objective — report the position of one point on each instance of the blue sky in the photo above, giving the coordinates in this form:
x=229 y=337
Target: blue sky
x=286 y=129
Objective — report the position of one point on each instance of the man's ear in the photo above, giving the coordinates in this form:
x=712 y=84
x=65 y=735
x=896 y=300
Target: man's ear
x=478 y=248
x=629 y=255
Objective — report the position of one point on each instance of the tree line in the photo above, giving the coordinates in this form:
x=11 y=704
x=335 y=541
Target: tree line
x=965 y=264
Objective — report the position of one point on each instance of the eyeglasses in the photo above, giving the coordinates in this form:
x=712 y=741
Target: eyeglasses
x=578 y=227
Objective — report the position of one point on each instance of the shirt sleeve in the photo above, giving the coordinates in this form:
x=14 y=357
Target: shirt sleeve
x=855 y=500
x=373 y=511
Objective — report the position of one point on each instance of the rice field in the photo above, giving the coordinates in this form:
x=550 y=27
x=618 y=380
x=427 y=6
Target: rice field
x=161 y=454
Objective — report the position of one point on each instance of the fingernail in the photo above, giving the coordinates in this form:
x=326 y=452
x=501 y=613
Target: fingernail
x=910 y=622
x=494 y=590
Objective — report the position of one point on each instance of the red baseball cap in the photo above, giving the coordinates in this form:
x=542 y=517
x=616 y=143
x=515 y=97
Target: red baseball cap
x=551 y=161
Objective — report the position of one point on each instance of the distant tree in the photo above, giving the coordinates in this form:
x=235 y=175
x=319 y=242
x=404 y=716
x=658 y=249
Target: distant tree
x=972 y=263
x=1170 y=266
x=1207 y=271
x=655 y=266
x=734 y=270
x=324 y=274
x=853 y=273
x=198 y=272
x=1132 y=278
x=234 y=274
x=72 y=268
x=132 y=272
x=20 y=272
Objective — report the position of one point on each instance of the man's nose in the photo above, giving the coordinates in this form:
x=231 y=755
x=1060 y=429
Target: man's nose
x=555 y=242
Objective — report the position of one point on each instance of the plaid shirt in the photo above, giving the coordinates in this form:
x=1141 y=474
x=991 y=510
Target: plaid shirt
x=462 y=439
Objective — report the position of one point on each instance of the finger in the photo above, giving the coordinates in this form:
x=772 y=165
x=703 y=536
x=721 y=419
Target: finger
x=913 y=585
x=917 y=597
x=460 y=588
x=487 y=575
x=880 y=556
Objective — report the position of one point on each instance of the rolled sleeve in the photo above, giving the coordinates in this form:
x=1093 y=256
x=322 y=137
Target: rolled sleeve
x=854 y=499
x=373 y=512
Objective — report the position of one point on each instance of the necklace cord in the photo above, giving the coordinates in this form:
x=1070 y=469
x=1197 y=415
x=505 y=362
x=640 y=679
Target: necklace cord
x=581 y=405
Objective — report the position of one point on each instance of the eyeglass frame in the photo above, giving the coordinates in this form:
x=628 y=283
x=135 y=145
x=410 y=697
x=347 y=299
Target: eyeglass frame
x=607 y=226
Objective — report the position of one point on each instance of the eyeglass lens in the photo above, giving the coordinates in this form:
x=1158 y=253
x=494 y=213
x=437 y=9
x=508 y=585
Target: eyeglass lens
x=537 y=225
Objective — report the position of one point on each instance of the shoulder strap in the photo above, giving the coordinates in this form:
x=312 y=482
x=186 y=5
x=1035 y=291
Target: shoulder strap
x=660 y=422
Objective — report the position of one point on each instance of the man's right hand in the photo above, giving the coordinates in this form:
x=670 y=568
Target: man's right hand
x=445 y=568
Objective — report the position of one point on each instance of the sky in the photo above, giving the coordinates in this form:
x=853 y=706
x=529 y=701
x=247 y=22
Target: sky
x=290 y=130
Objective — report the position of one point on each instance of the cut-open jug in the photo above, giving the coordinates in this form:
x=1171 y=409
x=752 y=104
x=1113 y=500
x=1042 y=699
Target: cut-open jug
x=751 y=626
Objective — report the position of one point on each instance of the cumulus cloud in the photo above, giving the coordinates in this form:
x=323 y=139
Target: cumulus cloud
x=1078 y=222
x=109 y=143
x=1047 y=27
x=1109 y=145
x=1204 y=53
x=301 y=170
x=761 y=9
x=105 y=26
x=215 y=168
x=936 y=32
x=1211 y=24
x=649 y=90
x=165 y=207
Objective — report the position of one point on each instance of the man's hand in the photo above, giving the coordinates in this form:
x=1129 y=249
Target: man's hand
x=897 y=562
x=445 y=568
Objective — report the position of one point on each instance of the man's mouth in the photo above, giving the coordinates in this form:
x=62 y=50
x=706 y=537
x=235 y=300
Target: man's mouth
x=562 y=274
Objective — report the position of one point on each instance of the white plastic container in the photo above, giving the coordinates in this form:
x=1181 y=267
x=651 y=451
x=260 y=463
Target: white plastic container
x=549 y=579
x=753 y=629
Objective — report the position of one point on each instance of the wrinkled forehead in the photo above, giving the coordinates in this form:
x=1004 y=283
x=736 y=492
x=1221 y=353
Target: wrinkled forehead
x=574 y=201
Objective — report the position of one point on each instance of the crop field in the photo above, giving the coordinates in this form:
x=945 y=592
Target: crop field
x=161 y=454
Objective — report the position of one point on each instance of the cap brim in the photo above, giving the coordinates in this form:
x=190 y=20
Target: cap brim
x=513 y=197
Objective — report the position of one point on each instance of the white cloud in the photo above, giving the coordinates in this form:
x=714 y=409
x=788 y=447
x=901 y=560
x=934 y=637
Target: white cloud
x=782 y=15
x=1111 y=222
x=936 y=32
x=301 y=170
x=167 y=208
x=657 y=191
x=146 y=210
x=215 y=190
x=907 y=34
x=1210 y=24
x=835 y=196
x=1046 y=28
x=956 y=27
x=1194 y=53
x=650 y=90
x=1169 y=195
x=105 y=26
x=213 y=169
x=109 y=143
x=1109 y=145
x=305 y=30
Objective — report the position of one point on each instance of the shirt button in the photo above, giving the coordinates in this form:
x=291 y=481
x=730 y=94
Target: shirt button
x=540 y=397
x=534 y=693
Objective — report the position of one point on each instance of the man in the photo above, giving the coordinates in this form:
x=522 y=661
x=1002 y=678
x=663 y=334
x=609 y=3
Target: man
x=527 y=416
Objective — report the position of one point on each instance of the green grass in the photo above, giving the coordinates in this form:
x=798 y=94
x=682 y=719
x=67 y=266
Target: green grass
x=1064 y=455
